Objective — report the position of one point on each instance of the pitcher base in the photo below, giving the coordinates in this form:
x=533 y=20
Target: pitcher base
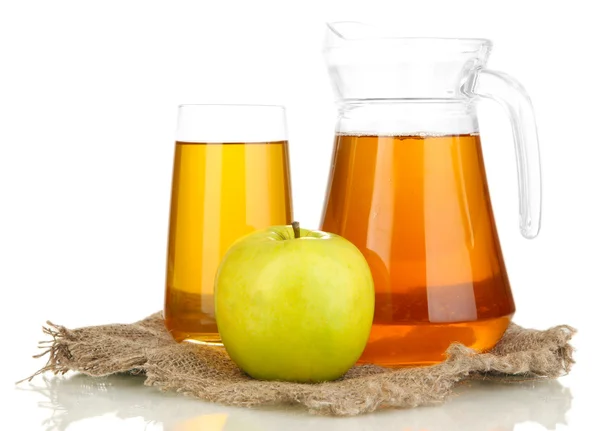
x=422 y=344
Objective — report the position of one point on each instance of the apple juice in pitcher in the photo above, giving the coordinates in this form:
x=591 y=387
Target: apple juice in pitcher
x=418 y=208
x=408 y=188
x=224 y=188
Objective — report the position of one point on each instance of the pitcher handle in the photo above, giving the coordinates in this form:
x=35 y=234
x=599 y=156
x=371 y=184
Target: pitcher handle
x=511 y=95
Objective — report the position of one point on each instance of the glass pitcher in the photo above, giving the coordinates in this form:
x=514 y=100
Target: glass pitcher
x=408 y=187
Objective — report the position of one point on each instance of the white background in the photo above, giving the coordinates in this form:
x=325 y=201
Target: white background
x=88 y=98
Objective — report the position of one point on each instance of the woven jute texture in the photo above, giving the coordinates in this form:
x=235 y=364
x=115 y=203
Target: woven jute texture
x=146 y=347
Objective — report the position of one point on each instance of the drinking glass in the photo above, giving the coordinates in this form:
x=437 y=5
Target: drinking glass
x=231 y=177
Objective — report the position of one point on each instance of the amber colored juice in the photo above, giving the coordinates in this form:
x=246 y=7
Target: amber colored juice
x=418 y=208
x=220 y=193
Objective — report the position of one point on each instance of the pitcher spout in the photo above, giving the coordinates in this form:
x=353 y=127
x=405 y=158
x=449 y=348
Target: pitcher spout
x=374 y=62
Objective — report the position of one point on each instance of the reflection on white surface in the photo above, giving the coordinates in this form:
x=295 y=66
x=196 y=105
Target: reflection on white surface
x=123 y=402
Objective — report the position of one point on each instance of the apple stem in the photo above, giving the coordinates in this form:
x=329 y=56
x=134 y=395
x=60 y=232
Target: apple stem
x=296 y=227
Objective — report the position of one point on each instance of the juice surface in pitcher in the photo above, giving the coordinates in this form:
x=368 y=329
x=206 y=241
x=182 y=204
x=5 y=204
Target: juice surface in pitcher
x=220 y=193
x=418 y=208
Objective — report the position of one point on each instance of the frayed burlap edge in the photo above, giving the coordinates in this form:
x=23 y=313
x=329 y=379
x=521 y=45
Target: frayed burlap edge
x=146 y=347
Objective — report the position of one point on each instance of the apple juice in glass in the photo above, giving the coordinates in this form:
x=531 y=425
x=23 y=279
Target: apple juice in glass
x=230 y=178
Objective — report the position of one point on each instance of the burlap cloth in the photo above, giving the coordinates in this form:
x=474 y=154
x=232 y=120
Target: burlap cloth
x=146 y=347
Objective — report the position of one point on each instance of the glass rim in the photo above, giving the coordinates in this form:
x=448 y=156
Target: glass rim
x=223 y=122
x=229 y=105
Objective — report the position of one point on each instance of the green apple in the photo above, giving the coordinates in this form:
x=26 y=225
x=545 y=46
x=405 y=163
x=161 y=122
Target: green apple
x=293 y=304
